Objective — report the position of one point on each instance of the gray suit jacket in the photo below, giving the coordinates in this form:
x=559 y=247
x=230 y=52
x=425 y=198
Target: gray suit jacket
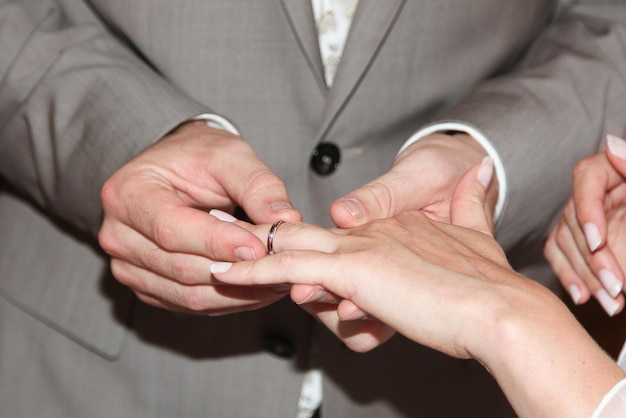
x=86 y=85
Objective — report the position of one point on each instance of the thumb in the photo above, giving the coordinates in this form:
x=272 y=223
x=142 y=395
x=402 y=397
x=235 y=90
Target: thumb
x=265 y=199
x=378 y=199
x=468 y=208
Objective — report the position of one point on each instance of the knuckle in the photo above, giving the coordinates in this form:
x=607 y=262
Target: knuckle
x=119 y=269
x=562 y=237
x=261 y=180
x=569 y=212
x=163 y=232
x=386 y=227
x=194 y=299
x=548 y=249
x=581 y=166
x=182 y=271
x=286 y=261
x=107 y=240
x=152 y=257
x=108 y=193
x=381 y=196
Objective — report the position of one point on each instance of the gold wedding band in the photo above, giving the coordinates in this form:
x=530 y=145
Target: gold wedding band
x=271 y=235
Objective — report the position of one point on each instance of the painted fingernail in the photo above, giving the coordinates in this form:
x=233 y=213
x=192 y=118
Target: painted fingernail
x=220 y=267
x=610 y=305
x=280 y=206
x=245 y=253
x=611 y=283
x=574 y=293
x=592 y=235
x=355 y=208
x=315 y=296
x=616 y=145
x=485 y=172
x=222 y=216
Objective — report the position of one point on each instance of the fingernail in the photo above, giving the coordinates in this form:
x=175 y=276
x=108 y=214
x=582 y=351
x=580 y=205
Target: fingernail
x=574 y=293
x=611 y=283
x=318 y=294
x=280 y=206
x=220 y=267
x=485 y=172
x=609 y=304
x=592 y=235
x=355 y=208
x=245 y=253
x=616 y=145
x=222 y=216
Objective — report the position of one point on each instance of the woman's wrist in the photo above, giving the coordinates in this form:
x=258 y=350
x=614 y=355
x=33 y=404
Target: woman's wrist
x=544 y=361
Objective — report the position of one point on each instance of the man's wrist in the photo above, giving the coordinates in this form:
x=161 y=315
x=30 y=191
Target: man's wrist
x=478 y=137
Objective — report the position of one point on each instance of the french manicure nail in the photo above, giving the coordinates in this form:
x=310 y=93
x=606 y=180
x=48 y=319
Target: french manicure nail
x=220 y=267
x=574 y=293
x=355 y=208
x=485 y=172
x=222 y=216
x=611 y=283
x=592 y=235
x=616 y=145
x=609 y=304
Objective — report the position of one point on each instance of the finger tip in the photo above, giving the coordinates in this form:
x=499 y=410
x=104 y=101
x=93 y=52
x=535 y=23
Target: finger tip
x=222 y=216
x=592 y=236
x=348 y=212
x=616 y=146
x=610 y=305
x=351 y=313
x=220 y=267
x=284 y=210
x=485 y=171
x=575 y=294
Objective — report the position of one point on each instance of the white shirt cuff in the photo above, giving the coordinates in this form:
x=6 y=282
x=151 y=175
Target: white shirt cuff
x=217 y=121
x=482 y=140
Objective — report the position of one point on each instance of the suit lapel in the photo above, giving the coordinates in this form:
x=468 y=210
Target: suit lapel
x=370 y=26
x=300 y=16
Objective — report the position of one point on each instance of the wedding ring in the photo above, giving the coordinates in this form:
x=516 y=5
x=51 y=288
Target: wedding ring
x=271 y=235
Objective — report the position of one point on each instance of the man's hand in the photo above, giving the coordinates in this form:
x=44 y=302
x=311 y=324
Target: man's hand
x=423 y=178
x=409 y=272
x=158 y=231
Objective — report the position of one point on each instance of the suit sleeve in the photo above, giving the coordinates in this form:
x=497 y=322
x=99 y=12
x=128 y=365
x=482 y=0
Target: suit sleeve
x=75 y=105
x=553 y=109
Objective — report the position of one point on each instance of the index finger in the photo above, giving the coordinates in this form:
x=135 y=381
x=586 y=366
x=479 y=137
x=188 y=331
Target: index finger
x=593 y=179
x=165 y=219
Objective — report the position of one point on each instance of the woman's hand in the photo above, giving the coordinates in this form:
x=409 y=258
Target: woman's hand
x=583 y=247
x=390 y=266
x=450 y=288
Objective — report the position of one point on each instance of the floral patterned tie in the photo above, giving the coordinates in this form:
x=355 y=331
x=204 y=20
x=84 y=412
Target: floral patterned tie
x=333 y=19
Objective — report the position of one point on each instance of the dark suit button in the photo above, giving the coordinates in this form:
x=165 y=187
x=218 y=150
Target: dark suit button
x=325 y=158
x=279 y=346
